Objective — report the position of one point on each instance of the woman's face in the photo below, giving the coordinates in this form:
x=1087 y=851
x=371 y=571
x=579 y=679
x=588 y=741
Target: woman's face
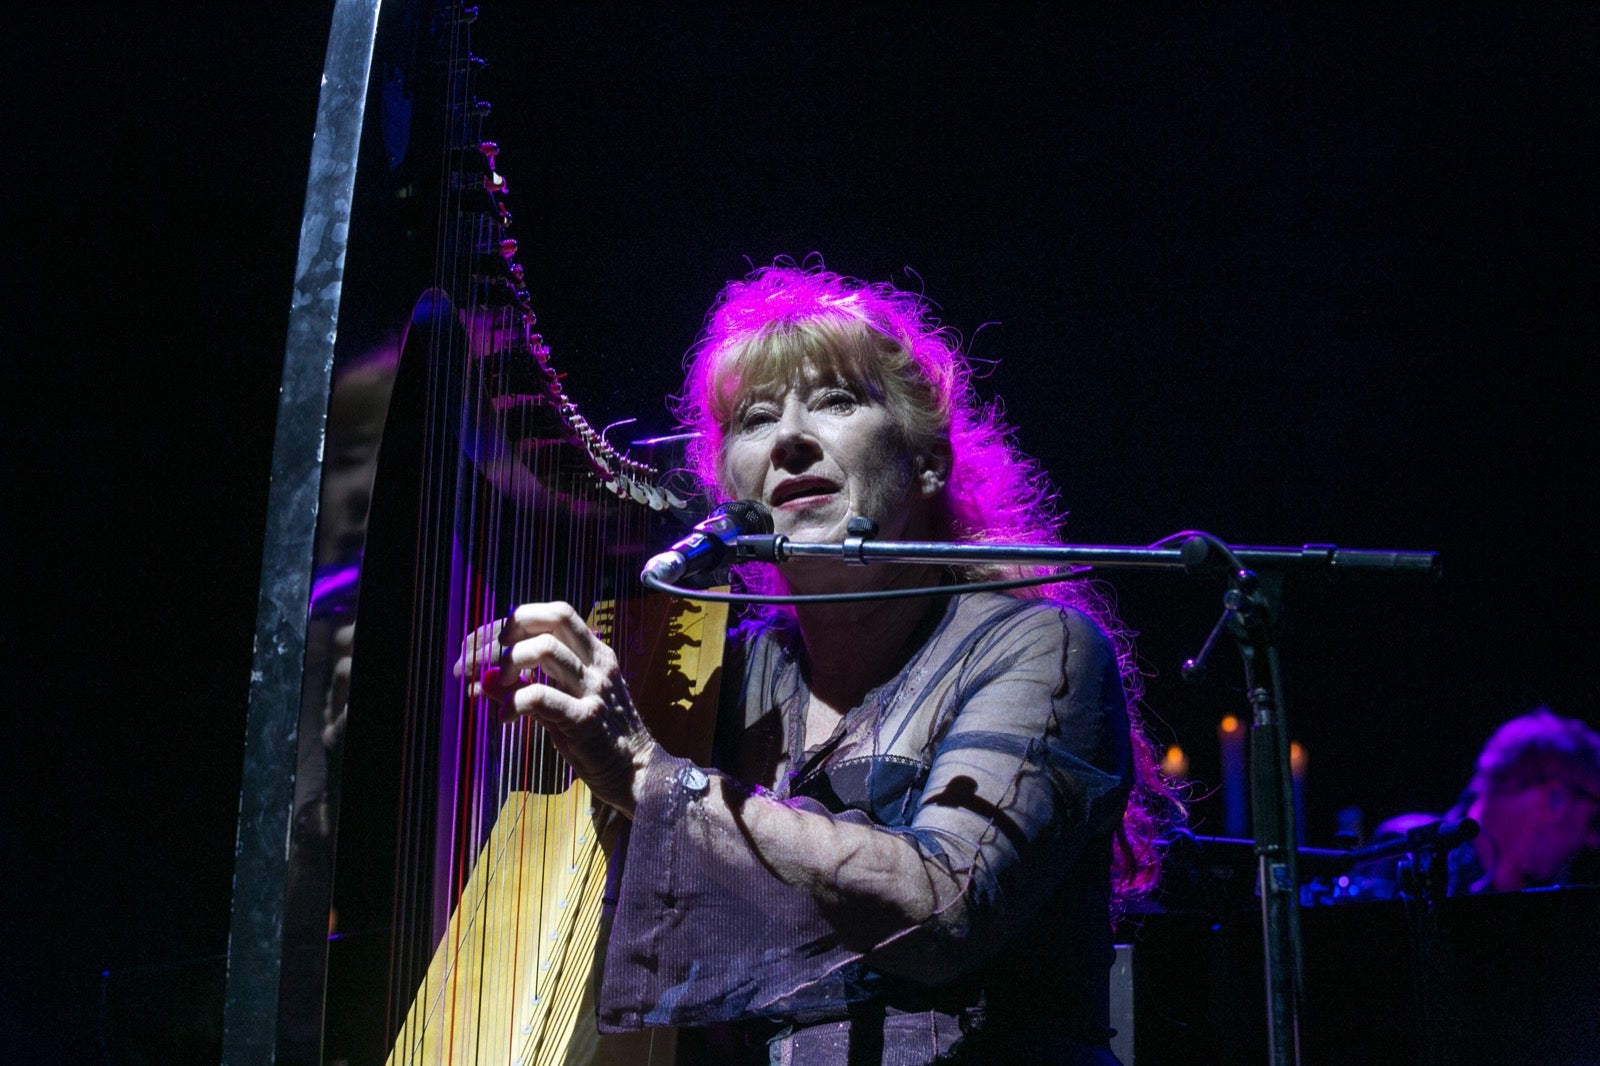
x=820 y=451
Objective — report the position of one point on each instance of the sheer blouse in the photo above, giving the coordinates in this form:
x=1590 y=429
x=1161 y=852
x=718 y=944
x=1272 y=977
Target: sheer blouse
x=999 y=752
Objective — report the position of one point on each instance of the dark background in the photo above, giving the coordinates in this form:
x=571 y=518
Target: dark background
x=1282 y=275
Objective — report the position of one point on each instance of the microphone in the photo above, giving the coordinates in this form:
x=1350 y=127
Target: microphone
x=708 y=545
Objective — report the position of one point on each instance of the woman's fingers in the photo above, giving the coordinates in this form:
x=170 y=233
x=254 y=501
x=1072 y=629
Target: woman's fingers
x=537 y=642
x=561 y=666
x=559 y=620
x=486 y=646
x=543 y=661
x=558 y=710
x=479 y=650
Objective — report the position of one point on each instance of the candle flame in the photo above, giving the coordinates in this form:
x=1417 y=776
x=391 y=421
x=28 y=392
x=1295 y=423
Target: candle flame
x=1175 y=763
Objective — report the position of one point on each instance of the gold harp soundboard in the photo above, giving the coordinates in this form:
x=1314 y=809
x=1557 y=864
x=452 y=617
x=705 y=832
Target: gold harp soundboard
x=415 y=882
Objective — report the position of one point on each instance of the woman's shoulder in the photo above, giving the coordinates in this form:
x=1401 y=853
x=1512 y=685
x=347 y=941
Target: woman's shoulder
x=985 y=619
x=1005 y=614
x=996 y=628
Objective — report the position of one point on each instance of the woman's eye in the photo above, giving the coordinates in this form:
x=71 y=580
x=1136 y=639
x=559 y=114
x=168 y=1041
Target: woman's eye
x=755 y=417
x=838 y=399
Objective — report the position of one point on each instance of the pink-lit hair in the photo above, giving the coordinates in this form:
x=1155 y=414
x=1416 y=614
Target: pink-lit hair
x=784 y=318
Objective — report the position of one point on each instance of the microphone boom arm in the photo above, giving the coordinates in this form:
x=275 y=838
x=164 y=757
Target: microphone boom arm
x=1326 y=558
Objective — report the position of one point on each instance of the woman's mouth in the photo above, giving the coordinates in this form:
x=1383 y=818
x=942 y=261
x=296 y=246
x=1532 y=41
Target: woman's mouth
x=802 y=491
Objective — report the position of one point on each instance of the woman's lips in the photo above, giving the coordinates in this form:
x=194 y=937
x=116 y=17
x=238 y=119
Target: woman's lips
x=800 y=503
x=799 y=492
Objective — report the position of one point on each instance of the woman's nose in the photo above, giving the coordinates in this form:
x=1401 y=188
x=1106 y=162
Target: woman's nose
x=794 y=443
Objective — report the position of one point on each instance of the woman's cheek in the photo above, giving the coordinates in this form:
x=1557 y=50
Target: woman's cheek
x=734 y=473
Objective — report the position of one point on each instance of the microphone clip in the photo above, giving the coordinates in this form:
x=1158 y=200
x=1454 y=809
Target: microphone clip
x=773 y=547
x=858 y=531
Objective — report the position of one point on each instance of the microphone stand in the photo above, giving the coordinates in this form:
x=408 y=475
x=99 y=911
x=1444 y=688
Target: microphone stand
x=1251 y=606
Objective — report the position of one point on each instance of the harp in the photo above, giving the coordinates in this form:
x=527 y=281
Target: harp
x=415 y=883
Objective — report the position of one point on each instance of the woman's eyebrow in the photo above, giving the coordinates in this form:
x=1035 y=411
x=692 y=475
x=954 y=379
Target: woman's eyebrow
x=756 y=394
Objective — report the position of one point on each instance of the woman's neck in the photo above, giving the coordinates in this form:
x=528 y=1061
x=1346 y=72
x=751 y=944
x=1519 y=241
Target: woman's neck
x=853 y=648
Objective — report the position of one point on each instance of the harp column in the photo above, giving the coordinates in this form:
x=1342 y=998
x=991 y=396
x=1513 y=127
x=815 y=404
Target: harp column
x=258 y=932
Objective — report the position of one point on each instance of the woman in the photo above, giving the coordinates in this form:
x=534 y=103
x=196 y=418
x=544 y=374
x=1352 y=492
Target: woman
x=906 y=851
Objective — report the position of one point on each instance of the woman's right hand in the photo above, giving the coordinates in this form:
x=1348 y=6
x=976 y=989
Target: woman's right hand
x=543 y=661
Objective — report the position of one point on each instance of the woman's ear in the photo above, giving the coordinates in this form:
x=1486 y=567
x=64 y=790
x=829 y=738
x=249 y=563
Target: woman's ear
x=933 y=470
